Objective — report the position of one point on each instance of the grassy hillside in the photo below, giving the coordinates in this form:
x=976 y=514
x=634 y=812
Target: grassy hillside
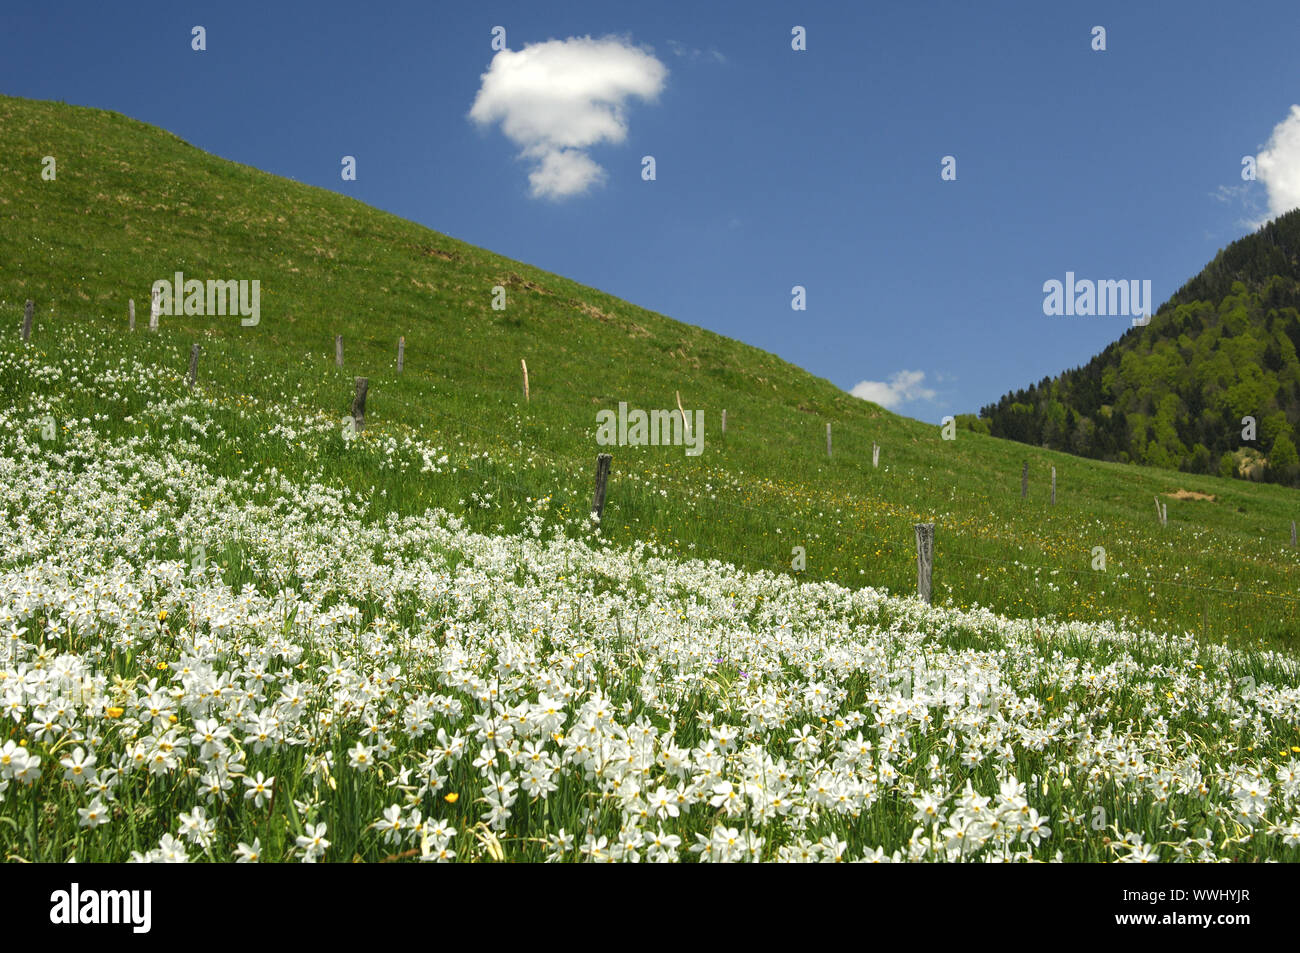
x=320 y=678
x=132 y=204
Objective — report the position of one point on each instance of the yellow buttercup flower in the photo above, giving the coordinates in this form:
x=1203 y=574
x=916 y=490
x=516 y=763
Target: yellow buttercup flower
x=115 y=712
x=452 y=798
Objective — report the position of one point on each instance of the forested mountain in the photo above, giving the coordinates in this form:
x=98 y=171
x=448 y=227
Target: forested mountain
x=1175 y=393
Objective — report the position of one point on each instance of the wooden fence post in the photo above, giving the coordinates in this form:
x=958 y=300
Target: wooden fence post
x=1053 y=486
x=27 y=319
x=401 y=353
x=924 y=560
x=154 y=310
x=686 y=423
x=524 y=365
x=602 y=479
x=724 y=423
x=1024 y=480
x=338 y=350
x=130 y=310
x=875 y=455
x=194 y=366
x=828 y=438
x=359 y=404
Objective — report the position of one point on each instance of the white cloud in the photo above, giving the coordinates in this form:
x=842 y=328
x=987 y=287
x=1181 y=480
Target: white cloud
x=565 y=172
x=903 y=387
x=1231 y=194
x=1247 y=197
x=558 y=98
x=1278 y=165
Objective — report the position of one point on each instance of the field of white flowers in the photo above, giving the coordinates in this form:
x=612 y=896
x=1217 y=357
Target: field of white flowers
x=312 y=677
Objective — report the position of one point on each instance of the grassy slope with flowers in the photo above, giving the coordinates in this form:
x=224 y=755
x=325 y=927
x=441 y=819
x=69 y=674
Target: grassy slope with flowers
x=132 y=204
x=207 y=661
x=230 y=633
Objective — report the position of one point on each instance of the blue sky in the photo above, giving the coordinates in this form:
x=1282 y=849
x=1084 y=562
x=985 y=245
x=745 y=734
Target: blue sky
x=774 y=167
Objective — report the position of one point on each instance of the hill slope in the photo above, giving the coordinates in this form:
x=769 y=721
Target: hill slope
x=361 y=690
x=1174 y=394
x=132 y=204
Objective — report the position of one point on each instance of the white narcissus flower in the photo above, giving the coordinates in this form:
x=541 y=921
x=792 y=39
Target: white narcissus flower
x=361 y=757
x=259 y=789
x=312 y=843
x=79 y=767
x=94 y=814
x=197 y=827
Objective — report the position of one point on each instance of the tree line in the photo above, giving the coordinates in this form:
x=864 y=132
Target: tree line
x=1211 y=385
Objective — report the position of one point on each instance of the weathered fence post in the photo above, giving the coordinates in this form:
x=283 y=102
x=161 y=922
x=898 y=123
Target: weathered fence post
x=130 y=311
x=338 y=350
x=1024 y=480
x=154 y=310
x=924 y=560
x=602 y=480
x=828 y=438
x=724 y=423
x=1162 y=511
x=27 y=319
x=359 y=404
x=875 y=454
x=1053 y=486
x=194 y=367
x=401 y=353
x=524 y=365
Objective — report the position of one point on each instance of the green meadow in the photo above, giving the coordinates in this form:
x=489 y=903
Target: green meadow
x=132 y=204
